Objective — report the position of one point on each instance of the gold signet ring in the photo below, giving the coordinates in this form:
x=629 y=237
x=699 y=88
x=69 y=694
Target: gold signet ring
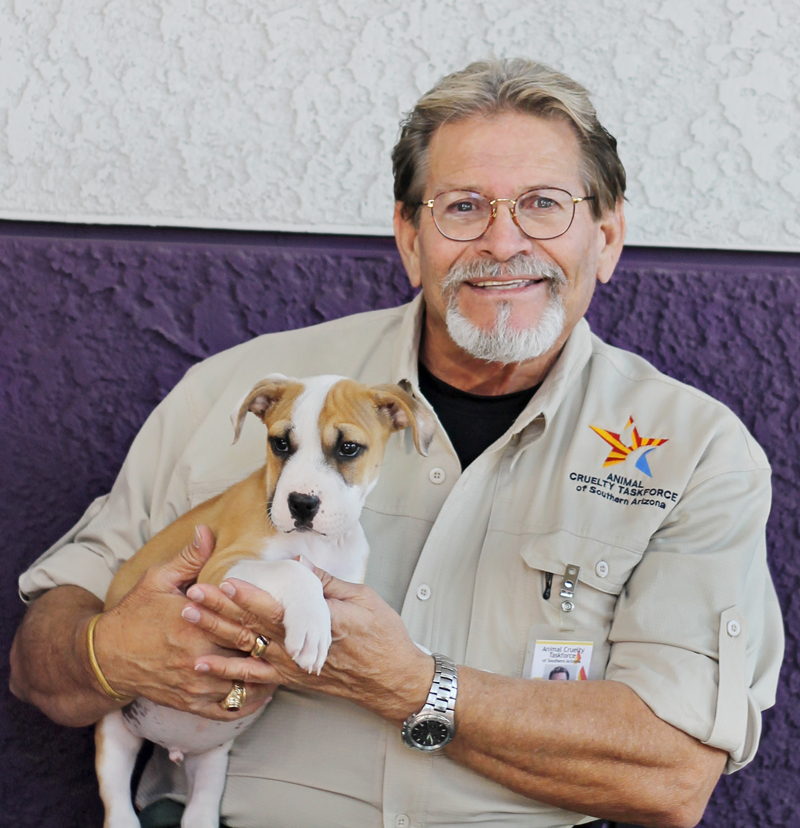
x=260 y=647
x=236 y=698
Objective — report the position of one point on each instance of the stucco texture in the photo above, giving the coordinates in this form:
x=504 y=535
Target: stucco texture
x=95 y=330
x=281 y=115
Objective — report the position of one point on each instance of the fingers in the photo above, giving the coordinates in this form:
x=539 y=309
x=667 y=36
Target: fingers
x=247 y=604
x=257 y=696
x=254 y=671
x=221 y=630
x=332 y=587
x=185 y=566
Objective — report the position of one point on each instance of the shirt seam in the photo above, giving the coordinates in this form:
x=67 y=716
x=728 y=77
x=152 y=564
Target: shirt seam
x=727 y=473
x=573 y=535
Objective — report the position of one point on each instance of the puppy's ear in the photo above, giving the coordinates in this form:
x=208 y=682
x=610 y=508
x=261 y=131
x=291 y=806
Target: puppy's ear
x=402 y=411
x=262 y=396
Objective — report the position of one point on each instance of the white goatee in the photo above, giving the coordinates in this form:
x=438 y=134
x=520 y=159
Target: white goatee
x=502 y=343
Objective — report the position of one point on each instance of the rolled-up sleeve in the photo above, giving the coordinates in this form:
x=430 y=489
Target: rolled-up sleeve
x=697 y=632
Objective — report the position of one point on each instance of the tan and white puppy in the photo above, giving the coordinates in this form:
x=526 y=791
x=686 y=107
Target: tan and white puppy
x=325 y=443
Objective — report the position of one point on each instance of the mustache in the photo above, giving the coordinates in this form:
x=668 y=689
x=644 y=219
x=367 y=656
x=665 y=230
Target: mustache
x=516 y=267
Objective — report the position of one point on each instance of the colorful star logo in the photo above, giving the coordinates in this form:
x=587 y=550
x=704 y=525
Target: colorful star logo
x=620 y=452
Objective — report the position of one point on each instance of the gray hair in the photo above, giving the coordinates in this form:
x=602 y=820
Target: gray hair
x=494 y=87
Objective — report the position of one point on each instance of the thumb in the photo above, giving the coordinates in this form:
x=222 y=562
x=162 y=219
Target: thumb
x=186 y=565
x=332 y=587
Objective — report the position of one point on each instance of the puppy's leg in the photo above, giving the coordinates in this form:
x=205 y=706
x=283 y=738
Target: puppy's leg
x=116 y=752
x=306 y=616
x=206 y=775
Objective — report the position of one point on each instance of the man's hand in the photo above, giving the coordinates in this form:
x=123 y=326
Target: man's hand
x=143 y=646
x=372 y=660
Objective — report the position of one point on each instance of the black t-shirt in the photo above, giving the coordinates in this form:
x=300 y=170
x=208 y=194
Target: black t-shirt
x=472 y=421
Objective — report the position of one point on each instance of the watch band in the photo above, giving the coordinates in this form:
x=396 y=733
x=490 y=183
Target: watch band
x=434 y=725
x=444 y=688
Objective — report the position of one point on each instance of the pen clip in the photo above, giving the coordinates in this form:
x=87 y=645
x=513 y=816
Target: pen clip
x=548 y=583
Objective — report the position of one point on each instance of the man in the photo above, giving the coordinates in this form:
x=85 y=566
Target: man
x=574 y=502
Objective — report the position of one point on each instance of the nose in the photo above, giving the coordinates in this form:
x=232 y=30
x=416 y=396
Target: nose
x=303 y=507
x=503 y=239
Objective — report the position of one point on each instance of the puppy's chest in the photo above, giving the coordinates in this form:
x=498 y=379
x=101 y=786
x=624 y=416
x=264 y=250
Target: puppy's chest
x=345 y=558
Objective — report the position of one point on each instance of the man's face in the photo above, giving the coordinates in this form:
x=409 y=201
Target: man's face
x=502 y=157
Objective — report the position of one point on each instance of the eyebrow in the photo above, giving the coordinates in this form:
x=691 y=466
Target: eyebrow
x=446 y=188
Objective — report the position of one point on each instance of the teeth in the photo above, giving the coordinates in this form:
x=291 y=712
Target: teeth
x=505 y=285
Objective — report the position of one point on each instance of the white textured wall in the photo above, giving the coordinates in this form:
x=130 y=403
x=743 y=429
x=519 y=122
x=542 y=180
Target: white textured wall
x=281 y=114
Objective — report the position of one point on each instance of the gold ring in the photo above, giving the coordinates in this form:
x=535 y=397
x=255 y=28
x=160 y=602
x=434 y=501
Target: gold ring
x=260 y=647
x=236 y=698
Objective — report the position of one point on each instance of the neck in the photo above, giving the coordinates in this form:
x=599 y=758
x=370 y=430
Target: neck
x=445 y=360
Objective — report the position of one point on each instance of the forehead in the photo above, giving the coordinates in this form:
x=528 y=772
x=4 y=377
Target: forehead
x=503 y=155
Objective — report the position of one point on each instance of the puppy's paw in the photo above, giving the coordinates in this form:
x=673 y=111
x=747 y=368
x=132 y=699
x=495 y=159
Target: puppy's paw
x=308 y=632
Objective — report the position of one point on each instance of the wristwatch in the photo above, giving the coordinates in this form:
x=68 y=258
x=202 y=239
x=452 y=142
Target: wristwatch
x=434 y=726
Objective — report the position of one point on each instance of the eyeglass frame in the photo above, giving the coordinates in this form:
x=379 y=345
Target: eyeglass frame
x=512 y=209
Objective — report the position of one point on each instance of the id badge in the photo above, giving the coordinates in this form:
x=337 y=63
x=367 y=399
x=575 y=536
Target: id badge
x=568 y=655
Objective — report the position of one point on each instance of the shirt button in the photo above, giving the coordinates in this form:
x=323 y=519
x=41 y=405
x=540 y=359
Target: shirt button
x=437 y=476
x=423 y=592
x=601 y=569
x=401 y=821
x=734 y=628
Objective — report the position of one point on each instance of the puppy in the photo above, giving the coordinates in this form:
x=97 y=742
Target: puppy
x=325 y=443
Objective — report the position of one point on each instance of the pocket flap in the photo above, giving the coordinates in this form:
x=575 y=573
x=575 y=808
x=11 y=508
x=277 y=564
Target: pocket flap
x=602 y=566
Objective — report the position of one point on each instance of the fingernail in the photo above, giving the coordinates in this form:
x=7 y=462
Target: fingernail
x=267 y=700
x=198 y=538
x=191 y=614
x=227 y=588
x=195 y=593
x=202 y=668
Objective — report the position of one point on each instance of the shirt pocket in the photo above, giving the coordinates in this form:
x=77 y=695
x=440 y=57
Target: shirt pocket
x=581 y=580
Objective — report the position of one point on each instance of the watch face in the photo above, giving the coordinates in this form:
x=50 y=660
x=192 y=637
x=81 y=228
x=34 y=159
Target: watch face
x=430 y=733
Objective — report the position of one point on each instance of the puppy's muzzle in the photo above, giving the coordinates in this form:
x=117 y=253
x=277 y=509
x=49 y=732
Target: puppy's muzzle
x=302 y=508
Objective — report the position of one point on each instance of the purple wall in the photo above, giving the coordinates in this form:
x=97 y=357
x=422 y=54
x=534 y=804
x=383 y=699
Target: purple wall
x=96 y=324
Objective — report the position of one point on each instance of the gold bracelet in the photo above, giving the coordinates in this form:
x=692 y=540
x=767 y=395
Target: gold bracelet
x=109 y=690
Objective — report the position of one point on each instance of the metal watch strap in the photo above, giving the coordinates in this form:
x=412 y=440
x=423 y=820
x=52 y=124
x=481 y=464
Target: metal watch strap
x=442 y=695
x=434 y=725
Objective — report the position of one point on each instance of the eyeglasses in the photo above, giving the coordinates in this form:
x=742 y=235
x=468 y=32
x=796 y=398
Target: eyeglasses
x=542 y=213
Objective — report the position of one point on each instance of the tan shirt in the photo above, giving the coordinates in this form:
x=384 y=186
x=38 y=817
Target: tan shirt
x=673 y=587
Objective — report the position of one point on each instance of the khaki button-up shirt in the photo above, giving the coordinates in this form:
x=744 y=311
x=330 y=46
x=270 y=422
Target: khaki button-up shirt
x=653 y=490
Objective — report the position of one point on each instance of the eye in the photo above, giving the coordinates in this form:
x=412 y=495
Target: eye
x=350 y=450
x=280 y=445
x=540 y=201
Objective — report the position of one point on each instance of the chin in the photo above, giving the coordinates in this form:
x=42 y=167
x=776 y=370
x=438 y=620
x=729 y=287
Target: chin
x=505 y=342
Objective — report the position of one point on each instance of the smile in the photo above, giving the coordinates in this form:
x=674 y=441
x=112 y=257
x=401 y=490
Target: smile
x=505 y=284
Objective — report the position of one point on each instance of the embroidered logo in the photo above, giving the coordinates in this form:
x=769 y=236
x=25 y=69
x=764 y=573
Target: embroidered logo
x=620 y=451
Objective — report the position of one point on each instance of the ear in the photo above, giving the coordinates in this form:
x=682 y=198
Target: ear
x=611 y=237
x=402 y=411
x=261 y=397
x=406 y=236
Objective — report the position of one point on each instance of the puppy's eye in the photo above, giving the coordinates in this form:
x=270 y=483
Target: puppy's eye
x=350 y=450
x=279 y=445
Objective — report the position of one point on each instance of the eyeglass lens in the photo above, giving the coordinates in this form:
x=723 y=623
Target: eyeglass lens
x=541 y=214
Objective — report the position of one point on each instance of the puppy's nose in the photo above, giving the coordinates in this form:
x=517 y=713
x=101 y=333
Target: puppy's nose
x=303 y=507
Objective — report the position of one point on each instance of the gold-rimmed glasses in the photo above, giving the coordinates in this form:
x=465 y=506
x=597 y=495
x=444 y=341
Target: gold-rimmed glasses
x=541 y=213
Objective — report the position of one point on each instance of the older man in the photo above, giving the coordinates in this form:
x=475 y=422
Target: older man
x=577 y=509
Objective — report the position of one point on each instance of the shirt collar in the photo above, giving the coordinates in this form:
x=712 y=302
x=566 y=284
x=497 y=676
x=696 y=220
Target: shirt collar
x=535 y=418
